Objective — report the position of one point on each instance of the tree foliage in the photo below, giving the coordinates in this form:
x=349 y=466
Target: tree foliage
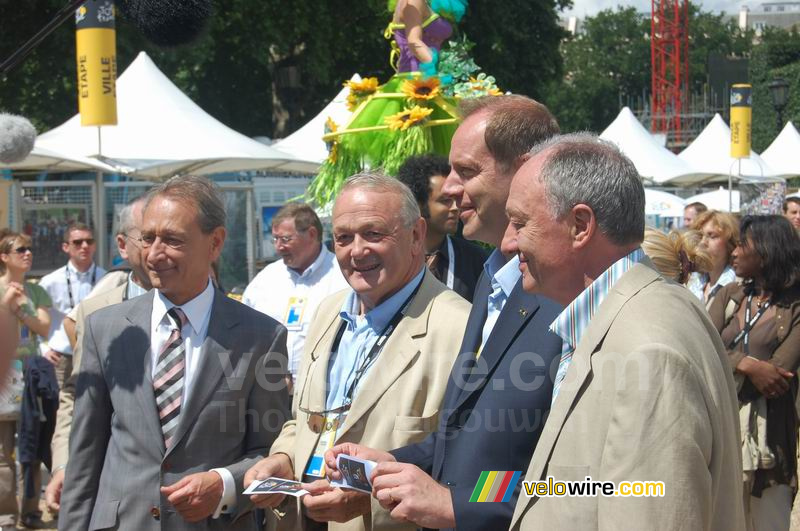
x=233 y=70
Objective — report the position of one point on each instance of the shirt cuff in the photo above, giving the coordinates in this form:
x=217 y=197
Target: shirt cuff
x=227 y=504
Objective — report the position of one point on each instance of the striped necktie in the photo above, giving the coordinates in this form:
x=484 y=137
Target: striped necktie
x=168 y=381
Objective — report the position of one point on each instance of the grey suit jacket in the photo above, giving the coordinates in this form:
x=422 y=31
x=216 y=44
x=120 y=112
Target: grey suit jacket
x=648 y=396
x=118 y=461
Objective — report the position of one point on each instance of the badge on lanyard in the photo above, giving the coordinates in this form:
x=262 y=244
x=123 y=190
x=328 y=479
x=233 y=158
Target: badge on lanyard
x=327 y=426
x=293 y=317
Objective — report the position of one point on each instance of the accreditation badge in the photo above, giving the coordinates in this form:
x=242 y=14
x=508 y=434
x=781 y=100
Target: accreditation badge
x=316 y=464
x=293 y=316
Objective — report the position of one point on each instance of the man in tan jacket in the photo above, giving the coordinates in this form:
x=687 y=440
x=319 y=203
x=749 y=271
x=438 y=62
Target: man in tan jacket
x=643 y=391
x=135 y=283
x=377 y=358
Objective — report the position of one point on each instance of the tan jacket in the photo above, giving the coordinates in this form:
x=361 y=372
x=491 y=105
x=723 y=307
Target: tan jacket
x=399 y=400
x=60 y=442
x=648 y=396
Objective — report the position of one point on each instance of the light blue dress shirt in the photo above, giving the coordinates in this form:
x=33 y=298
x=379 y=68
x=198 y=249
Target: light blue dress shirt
x=360 y=333
x=504 y=276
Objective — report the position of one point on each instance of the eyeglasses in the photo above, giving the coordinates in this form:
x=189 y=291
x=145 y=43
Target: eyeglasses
x=80 y=242
x=285 y=240
x=23 y=249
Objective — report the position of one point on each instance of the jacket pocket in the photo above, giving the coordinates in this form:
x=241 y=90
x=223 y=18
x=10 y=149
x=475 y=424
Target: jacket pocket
x=104 y=515
x=416 y=424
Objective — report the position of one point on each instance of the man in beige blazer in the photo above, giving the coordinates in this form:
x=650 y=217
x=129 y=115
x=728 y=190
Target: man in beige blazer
x=379 y=242
x=135 y=283
x=643 y=391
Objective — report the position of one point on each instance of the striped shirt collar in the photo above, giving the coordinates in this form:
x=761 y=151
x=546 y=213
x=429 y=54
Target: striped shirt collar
x=573 y=321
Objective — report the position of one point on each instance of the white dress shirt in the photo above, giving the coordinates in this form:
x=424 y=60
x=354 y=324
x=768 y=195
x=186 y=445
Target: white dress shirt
x=292 y=298
x=198 y=315
x=503 y=277
x=56 y=285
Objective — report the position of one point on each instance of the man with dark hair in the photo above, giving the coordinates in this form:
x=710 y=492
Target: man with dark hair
x=499 y=390
x=643 y=391
x=289 y=290
x=791 y=211
x=180 y=390
x=67 y=287
x=690 y=213
x=454 y=261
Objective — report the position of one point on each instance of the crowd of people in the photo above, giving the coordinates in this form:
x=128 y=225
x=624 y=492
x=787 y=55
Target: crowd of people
x=558 y=338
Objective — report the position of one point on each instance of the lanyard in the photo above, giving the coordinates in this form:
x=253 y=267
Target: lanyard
x=374 y=350
x=748 y=325
x=69 y=284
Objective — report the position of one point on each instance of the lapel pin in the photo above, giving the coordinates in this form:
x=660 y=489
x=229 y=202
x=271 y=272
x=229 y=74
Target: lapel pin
x=523 y=312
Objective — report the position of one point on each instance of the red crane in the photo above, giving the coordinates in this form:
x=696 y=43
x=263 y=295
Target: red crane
x=669 y=55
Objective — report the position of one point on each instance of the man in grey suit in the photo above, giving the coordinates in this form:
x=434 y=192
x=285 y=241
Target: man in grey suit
x=180 y=390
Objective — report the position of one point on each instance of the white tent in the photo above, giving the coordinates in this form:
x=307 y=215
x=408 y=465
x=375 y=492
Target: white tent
x=709 y=154
x=306 y=143
x=161 y=132
x=41 y=159
x=652 y=161
x=717 y=200
x=664 y=204
x=783 y=155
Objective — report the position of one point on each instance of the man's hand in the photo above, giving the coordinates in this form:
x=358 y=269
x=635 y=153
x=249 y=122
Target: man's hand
x=52 y=494
x=196 y=496
x=413 y=496
x=52 y=356
x=354 y=450
x=770 y=380
x=326 y=503
x=278 y=466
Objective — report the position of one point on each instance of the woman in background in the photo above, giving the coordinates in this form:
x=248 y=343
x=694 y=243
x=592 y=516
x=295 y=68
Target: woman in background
x=759 y=322
x=720 y=233
x=29 y=304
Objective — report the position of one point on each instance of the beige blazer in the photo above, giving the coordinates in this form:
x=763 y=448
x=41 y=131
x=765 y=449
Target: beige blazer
x=399 y=400
x=66 y=397
x=648 y=396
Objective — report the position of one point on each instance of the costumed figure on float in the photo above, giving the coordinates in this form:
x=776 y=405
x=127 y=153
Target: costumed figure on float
x=414 y=112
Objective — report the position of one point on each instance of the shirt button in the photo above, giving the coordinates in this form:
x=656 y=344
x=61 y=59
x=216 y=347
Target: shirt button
x=155 y=512
x=166 y=467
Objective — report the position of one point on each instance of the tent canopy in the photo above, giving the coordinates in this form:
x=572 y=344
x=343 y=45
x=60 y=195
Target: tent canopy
x=43 y=159
x=717 y=200
x=783 y=155
x=161 y=132
x=306 y=143
x=652 y=161
x=709 y=154
x=664 y=204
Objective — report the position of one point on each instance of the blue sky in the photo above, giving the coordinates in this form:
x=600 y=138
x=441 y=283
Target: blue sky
x=583 y=8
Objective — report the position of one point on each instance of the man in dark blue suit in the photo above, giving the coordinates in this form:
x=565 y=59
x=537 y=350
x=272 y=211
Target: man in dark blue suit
x=500 y=388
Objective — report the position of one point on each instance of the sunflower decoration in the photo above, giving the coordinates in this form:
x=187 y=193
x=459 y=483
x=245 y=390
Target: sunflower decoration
x=421 y=90
x=406 y=118
x=360 y=91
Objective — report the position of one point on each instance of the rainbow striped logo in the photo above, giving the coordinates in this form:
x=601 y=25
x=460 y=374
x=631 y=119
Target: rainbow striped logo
x=494 y=486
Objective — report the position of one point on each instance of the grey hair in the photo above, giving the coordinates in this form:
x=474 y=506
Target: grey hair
x=380 y=182
x=199 y=192
x=583 y=169
x=125 y=221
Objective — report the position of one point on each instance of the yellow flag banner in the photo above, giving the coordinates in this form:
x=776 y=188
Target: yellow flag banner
x=96 y=40
x=741 y=120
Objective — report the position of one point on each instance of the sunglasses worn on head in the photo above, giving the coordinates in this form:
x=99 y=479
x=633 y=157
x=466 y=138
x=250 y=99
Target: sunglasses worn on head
x=78 y=243
x=23 y=249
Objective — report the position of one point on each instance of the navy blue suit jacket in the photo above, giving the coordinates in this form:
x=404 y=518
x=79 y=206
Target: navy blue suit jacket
x=495 y=407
